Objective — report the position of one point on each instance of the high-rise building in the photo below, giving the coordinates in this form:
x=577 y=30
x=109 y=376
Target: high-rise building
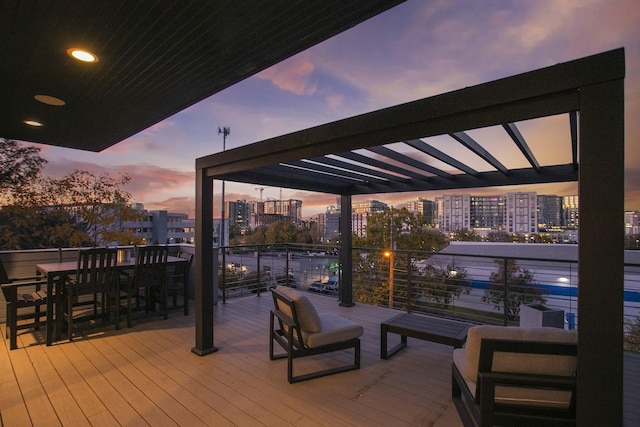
x=454 y=212
x=522 y=212
x=489 y=212
x=570 y=211
x=161 y=227
x=369 y=207
x=424 y=208
x=631 y=223
x=238 y=213
x=253 y=214
x=549 y=212
x=329 y=224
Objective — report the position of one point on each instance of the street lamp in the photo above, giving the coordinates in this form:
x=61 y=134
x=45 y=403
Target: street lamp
x=390 y=254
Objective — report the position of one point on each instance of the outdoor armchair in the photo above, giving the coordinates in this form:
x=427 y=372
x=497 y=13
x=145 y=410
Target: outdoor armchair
x=512 y=376
x=24 y=299
x=178 y=282
x=148 y=280
x=301 y=331
x=93 y=285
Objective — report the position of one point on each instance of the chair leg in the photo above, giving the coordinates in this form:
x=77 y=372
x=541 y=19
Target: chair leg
x=12 y=316
x=185 y=299
x=70 y=318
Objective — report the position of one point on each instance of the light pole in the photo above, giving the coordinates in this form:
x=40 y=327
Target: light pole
x=390 y=254
x=224 y=131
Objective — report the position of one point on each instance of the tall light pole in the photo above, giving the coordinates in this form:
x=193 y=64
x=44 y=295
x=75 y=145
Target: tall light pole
x=391 y=255
x=224 y=131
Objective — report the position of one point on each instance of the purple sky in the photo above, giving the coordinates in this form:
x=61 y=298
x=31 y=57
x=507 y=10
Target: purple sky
x=416 y=50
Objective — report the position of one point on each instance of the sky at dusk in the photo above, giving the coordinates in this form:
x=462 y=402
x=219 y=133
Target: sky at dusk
x=415 y=50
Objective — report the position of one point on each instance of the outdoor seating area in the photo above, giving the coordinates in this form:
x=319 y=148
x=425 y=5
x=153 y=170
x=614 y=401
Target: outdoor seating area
x=90 y=287
x=147 y=375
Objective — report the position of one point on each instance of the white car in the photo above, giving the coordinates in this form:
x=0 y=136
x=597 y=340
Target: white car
x=331 y=284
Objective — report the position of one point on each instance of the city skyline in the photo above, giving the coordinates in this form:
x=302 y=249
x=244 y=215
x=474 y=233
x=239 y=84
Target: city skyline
x=414 y=50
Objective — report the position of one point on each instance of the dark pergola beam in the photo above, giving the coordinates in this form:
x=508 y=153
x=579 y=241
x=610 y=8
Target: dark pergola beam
x=403 y=158
x=439 y=155
x=356 y=157
x=477 y=149
x=373 y=174
x=518 y=139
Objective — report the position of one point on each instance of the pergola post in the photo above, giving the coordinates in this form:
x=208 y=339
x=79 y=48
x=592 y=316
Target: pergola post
x=346 y=253
x=205 y=265
x=601 y=255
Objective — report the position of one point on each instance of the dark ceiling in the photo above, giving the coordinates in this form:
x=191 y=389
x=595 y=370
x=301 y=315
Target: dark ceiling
x=155 y=58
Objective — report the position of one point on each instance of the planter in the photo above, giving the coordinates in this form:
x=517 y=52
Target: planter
x=536 y=315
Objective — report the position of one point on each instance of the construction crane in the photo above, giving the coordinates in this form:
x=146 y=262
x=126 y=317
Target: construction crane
x=260 y=189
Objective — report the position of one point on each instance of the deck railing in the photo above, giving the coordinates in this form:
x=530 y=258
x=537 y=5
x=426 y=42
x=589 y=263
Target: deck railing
x=471 y=287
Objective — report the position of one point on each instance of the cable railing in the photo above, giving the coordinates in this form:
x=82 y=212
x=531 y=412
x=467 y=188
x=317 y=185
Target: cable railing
x=470 y=287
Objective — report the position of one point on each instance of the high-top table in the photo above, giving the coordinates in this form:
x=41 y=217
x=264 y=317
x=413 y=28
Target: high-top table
x=55 y=273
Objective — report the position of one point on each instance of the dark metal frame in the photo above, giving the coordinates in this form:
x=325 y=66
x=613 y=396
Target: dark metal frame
x=289 y=335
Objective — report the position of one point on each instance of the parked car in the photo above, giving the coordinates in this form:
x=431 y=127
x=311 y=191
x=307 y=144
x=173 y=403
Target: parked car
x=318 y=286
x=331 y=284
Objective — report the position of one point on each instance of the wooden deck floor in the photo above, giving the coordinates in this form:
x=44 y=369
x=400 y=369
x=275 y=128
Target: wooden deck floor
x=147 y=375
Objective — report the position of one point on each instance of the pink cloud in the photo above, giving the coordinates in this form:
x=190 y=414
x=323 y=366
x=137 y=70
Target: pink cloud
x=335 y=100
x=292 y=76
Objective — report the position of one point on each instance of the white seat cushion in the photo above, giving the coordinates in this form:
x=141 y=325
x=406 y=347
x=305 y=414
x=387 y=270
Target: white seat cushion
x=334 y=329
x=307 y=314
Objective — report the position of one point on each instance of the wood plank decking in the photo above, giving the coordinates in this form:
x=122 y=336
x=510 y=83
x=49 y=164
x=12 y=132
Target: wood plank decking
x=147 y=375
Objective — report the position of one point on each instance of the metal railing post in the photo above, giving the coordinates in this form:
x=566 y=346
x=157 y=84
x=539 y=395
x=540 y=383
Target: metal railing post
x=409 y=289
x=505 y=293
x=259 y=272
x=223 y=276
x=286 y=273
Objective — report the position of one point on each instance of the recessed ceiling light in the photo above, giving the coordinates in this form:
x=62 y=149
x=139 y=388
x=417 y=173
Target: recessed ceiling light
x=82 y=55
x=33 y=123
x=50 y=100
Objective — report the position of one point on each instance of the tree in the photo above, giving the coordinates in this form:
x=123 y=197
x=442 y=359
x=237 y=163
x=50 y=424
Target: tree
x=20 y=166
x=402 y=230
x=395 y=229
x=78 y=209
x=466 y=235
x=257 y=236
x=521 y=288
x=96 y=201
x=499 y=236
x=440 y=282
x=37 y=227
x=632 y=336
x=632 y=241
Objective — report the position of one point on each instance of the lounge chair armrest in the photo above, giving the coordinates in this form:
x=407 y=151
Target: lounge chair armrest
x=491 y=379
x=288 y=321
